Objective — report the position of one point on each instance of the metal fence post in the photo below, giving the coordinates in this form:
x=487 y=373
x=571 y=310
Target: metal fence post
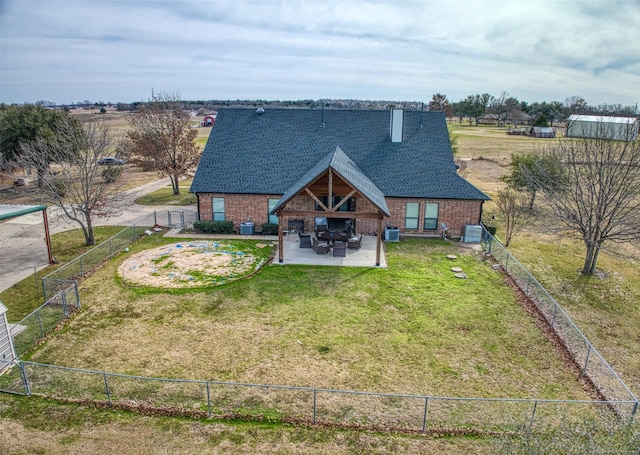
x=81 y=265
x=533 y=414
x=526 y=292
x=110 y=247
x=506 y=264
x=315 y=393
x=75 y=289
x=155 y=218
x=208 y=400
x=182 y=219
x=106 y=388
x=169 y=218
x=25 y=379
x=134 y=231
x=65 y=310
x=633 y=412
x=424 y=415
x=40 y=324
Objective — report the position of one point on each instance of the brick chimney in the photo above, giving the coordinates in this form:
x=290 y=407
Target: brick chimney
x=396 y=124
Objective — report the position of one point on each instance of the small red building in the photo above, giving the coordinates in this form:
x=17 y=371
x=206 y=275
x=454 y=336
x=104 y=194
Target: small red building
x=208 y=120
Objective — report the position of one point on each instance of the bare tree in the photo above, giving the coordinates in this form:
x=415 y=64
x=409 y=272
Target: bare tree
x=527 y=170
x=79 y=186
x=162 y=138
x=598 y=192
x=512 y=208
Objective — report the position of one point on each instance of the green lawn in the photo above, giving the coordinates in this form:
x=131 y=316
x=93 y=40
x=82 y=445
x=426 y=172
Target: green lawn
x=412 y=328
x=165 y=196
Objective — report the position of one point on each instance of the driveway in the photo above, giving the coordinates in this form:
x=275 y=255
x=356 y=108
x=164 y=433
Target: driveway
x=22 y=240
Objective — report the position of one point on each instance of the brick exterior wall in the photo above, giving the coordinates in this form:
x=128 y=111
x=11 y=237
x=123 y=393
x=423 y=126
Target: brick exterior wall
x=454 y=213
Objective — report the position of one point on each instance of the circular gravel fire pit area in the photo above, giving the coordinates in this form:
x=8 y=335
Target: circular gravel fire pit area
x=192 y=264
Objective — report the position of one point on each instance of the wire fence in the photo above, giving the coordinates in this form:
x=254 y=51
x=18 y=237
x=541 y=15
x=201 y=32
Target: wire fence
x=592 y=365
x=410 y=413
x=87 y=262
x=342 y=408
x=40 y=322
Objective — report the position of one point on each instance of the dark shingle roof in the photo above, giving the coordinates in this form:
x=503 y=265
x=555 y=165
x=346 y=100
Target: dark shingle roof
x=267 y=153
x=345 y=167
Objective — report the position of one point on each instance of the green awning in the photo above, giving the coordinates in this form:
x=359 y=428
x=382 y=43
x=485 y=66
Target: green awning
x=8 y=211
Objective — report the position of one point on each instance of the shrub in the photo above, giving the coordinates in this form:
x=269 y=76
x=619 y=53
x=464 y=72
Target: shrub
x=111 y=174
x=269 y=229
x=214 y=227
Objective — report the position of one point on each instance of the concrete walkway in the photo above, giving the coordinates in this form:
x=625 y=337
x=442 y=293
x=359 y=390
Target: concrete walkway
x=22 y=240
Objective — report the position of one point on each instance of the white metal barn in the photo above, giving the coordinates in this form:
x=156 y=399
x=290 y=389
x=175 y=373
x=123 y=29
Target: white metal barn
x=592 y=126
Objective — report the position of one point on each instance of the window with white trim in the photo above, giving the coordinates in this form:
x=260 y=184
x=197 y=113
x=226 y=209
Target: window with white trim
x=218 y=208
x=271 y=203
x=412 y=215
x=431 y=216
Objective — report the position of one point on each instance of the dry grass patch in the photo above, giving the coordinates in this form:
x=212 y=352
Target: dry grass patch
x=65 y=428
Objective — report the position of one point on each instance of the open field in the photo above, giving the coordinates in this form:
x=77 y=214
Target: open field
x=117 y=122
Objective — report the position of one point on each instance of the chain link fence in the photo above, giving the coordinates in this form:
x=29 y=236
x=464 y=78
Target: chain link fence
x=323 y=406
x=592 y=365
x=408 y=413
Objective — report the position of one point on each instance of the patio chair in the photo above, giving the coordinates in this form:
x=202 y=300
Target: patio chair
x=320 y=247
x=321 y=228
x=339 y=249
x=355 y=242
x=305 y=240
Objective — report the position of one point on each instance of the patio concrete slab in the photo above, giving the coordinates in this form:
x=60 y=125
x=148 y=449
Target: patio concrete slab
x=364 y=257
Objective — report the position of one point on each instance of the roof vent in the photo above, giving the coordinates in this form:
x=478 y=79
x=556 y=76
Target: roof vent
x=260 y=111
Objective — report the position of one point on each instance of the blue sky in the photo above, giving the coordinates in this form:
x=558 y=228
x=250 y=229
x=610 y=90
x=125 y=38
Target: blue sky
x=118 y=50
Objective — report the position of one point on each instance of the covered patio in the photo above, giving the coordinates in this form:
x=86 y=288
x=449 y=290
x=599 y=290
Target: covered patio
x=324 y=193
x=365 y=256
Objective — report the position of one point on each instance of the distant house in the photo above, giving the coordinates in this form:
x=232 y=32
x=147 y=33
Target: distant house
x=208 y=120
x=597 y=126
x=542 y=132
x=490 y=119
x=519 y=118
x=365 y=168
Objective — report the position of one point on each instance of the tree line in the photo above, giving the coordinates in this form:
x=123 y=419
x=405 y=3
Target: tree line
x=508 y=109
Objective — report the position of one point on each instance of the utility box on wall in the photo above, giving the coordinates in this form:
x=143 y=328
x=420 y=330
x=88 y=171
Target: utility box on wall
x=472 y=233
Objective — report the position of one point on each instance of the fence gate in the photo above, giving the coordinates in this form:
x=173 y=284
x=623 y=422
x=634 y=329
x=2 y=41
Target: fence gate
x=175 y=219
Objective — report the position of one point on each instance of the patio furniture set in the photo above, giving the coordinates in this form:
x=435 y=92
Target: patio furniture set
x=325 y=240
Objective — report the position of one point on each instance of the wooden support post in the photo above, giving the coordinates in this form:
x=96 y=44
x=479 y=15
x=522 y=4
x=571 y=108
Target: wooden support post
x=378 y=242
x=47 y=236
x=280 y=239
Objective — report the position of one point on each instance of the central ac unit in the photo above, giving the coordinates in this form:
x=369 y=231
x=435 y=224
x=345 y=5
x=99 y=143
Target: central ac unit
x=472 y=233
x=392 y=235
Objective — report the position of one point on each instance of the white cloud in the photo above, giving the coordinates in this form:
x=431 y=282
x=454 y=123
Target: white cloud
x=70 y=50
